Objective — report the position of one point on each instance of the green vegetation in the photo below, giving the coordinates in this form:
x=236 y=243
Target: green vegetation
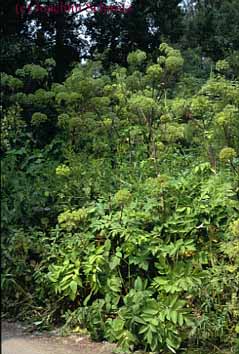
x=120 y=173
x=120 y=201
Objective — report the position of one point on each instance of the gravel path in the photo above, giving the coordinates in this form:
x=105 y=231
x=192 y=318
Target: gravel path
x=16 y=341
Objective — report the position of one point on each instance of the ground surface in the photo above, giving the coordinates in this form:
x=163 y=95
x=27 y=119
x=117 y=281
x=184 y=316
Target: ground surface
x=16 y=341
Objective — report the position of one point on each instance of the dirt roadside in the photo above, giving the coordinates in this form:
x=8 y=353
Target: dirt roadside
x=14 y=340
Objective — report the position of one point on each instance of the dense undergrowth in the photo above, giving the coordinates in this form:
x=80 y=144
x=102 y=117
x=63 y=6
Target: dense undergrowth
x=120 y=202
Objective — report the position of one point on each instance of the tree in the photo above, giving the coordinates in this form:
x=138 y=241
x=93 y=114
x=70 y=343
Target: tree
x=213 y=26
x=142 y=27
x=59 y=34
x=46 y=33
x=16 y=48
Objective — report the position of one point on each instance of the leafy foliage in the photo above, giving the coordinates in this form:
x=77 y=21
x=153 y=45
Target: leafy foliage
x=120 y=201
